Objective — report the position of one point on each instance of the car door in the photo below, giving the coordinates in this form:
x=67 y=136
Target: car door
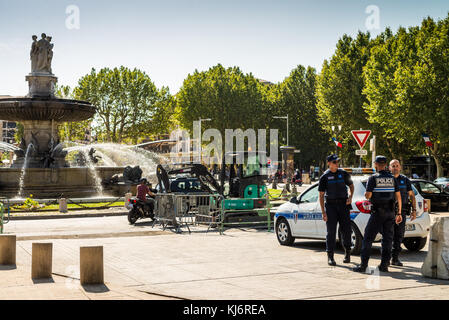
x=432 y=192
x=306 y=213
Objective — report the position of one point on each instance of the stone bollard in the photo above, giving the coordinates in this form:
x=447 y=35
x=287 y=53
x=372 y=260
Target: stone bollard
x=7 y=249
x=128 y=196
x=91 y=265
x=41 y=260
x=63 y=205
x=294 y=191
x=436 y=264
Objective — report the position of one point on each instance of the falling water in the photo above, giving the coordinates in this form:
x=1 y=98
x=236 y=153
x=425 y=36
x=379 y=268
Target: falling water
x=93 y=171
x=122 y=155
x=22 y=175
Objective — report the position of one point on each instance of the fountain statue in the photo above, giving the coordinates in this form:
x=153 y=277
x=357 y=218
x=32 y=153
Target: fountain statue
x=41 y=161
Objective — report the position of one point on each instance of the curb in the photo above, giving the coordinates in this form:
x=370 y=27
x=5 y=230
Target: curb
x=68 y=216
x=123 y=234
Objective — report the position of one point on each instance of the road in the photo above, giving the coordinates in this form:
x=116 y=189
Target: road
x=142 y=262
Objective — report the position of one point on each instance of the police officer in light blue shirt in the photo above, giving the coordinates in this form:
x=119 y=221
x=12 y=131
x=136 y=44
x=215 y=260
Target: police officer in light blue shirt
x=408 y=207
x=381 y=189
x=335 y=203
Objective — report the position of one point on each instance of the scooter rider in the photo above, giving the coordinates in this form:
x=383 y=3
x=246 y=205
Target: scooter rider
x=142 y=191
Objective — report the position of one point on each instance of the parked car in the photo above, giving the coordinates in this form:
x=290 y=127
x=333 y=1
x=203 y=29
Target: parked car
x=439 y=197
x=444 y=182
x=302 y=218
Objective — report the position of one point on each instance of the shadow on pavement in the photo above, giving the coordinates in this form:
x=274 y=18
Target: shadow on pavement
x=40 y=281
x=8 y=267
x=95 y=288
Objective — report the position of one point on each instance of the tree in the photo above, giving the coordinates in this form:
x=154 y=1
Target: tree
x=126 y=100
x=73 y=131
x=297 y=98
x=339 y=90
x=230 y=98
x=407 y=87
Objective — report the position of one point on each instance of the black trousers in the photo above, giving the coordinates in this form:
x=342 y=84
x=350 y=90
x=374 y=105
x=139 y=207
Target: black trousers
x=338 y=213
x=398 y=234
x=381 y=220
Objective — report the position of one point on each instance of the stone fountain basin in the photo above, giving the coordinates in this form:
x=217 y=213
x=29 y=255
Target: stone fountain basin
x=50 y=183
x=60 y=110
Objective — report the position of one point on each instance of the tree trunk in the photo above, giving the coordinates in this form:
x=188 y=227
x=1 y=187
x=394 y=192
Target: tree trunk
x=439 y=164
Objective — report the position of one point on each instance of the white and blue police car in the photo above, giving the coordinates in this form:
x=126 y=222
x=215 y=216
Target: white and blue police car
x=302 y=218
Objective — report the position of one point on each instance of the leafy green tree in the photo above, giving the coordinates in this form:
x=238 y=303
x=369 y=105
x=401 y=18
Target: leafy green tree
x=230 y=98
x=407 y=87
x=71 y=131
x=339 y=91
x=127 y=102
x=297 y=98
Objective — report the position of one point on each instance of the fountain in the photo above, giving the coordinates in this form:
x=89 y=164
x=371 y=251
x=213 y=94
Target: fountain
x=42 y=170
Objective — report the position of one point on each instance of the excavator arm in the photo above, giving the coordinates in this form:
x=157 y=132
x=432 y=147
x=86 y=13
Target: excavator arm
x=199 y=171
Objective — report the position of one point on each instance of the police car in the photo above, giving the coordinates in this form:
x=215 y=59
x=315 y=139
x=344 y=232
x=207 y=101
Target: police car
x=302 y=218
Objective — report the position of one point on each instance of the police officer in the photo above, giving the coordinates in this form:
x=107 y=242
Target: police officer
x=335 y=202
x=381 y=190
x=408 y=207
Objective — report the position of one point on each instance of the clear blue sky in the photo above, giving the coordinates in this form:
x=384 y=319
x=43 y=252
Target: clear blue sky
x=171 y=38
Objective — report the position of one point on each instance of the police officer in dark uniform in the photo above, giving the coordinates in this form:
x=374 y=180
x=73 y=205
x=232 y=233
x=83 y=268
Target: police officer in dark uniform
x=408 y=208
x=335 y=202
x=381 y=190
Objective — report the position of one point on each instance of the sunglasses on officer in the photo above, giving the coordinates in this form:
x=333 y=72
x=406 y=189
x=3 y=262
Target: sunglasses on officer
x=335 y=162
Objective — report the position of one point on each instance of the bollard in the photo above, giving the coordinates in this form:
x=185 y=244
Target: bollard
x=7 y=249
x=128 y=196
x=436 y=263
x=63 y=205
x=91 y=265
x=41 y=260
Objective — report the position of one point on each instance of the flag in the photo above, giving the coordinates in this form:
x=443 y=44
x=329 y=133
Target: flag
x=427 y=140
x=338 y=144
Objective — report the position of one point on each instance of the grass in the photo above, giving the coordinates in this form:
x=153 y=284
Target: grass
x=71 y=206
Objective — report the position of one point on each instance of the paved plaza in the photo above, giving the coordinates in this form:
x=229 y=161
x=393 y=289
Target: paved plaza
x=142 y=262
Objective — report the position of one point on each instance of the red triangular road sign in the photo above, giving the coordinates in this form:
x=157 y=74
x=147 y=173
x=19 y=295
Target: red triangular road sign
x=361 y=136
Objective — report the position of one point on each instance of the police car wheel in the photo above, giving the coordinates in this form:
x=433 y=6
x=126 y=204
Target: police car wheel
x=415 y=244
x=283 y=233
x=356 y=239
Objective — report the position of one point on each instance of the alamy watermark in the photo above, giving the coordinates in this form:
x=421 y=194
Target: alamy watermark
x=73 y=19
x=372 y=22
x=237 y=147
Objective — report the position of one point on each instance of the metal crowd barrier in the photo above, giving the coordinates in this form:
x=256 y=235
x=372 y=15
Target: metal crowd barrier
x=179 y=210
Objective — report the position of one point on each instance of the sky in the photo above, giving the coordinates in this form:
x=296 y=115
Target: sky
x=171 y=38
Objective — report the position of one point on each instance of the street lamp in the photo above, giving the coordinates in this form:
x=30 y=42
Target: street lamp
x=286 y=118
x=200 y=139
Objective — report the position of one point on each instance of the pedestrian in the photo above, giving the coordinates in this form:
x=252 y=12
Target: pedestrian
x=335 y=203
x=408 y=207
x=381 y=190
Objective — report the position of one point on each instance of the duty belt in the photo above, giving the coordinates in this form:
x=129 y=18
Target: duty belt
x=336 y=201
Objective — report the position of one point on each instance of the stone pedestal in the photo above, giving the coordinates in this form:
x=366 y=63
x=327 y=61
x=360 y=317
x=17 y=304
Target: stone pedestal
x=41 y=85
x=91 y=265
x=63 y=205
x=7 y=249
x=41 y=260
x=436 y=264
